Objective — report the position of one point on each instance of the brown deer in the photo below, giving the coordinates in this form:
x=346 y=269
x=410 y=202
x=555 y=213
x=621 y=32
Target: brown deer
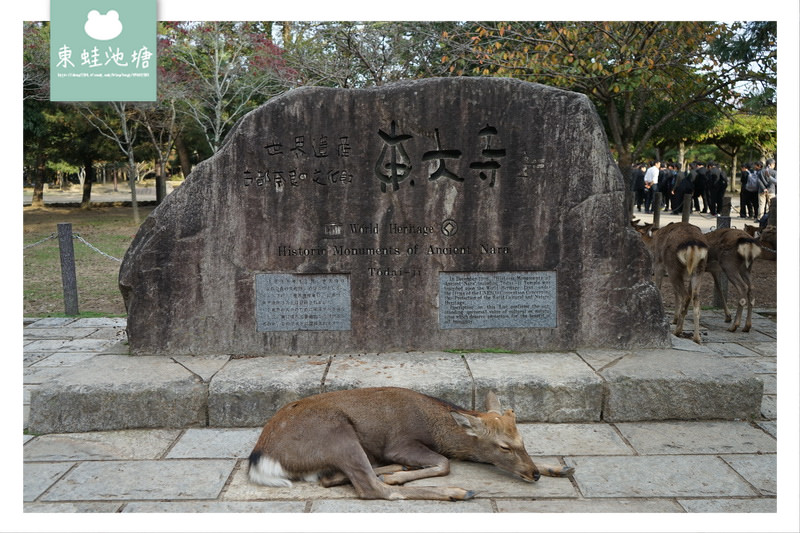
x=767 y=239
x=680 y=250
x=733 y=251
x=379 y=438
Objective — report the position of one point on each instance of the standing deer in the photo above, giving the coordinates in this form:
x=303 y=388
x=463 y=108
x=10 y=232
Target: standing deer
x=380 y=438
x=680 y=250
x=733 y=251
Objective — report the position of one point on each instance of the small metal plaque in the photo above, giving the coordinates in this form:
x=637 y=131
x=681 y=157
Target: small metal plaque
x=474 y=300
x=302 y=302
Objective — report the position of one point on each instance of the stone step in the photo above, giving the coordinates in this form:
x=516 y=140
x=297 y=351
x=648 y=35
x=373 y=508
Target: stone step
x=114 y=390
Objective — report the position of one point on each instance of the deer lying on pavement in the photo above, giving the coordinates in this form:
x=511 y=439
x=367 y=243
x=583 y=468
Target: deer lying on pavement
x=340 y=436
x=733 y=251
x=680 y=250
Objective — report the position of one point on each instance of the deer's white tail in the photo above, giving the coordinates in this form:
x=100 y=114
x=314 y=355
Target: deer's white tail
x=748 y=250
x=691 y=254
x=267 y=471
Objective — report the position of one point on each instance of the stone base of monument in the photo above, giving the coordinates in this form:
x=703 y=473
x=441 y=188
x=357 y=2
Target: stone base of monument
x=110 y=392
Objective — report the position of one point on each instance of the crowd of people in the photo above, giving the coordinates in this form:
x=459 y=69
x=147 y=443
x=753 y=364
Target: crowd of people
x=706 y=182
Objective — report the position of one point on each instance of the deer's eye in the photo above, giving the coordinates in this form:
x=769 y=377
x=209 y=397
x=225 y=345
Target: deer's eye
x=505 y=449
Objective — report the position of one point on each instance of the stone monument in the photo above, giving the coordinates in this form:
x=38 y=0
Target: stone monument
x=458 y=213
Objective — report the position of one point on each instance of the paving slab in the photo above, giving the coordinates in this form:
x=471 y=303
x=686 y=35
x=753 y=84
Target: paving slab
x=214 y=443
x=403 y=506
x=673 y=384
x=204 y=366
x=204 y=506
x=32 y=334
x=439 y=374
x=730 y=505
x=540 y=387
x=769 y=407
x=770 y=383
x=247 y=392
x=97 y=446
x=770 y=426
x=761 y=471
x=37 y=375
x=31 y=358
x=721 y=334
x=143 y=480
x=50 y=322
x=101 y=322
x=72 y=507
x=664 y=438
x=731 y=349
x=600 y=505
x=769 y=349
x=68 y=345
x=38 y=477
x=598 y=358
x=119 y=392
x=664 y=476
x=572 y=439
x=63 y=359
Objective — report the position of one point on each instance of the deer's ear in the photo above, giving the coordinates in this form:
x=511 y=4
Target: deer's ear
x=492 y=403
x=471 y=423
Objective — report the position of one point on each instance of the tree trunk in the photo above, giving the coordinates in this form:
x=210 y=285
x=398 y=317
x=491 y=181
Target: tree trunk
x=682 y=155
x=286 y=33
x=183 y=156
x=161 y=181
x=38 y=184
x=86 y=199
x=132 y=180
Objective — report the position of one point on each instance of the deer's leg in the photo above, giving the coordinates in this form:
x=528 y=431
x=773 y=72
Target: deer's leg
x=354 y=463
x=556 y=471
x=682 y=300
x=694 y=283
x=334 y=479
x=743 y=290
x=415 y=454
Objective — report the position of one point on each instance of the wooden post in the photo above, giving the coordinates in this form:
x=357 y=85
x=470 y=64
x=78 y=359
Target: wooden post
x=723 y=221
x=656 y=210
x=687 y=208
x=68 y=278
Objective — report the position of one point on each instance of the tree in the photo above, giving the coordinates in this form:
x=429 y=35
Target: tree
x=36 y=61
x=117 y=121
x=361 y=54
x=626 y=68
x=226 y=69
x=743 y=130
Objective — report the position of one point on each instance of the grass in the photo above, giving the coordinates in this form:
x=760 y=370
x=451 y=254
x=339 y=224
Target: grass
x=110 y=229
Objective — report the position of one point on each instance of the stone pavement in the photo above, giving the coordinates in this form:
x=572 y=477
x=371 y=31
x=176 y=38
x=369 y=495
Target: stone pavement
x=626 y=460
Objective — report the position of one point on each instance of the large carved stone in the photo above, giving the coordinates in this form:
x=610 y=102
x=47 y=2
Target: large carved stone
x=426 y=215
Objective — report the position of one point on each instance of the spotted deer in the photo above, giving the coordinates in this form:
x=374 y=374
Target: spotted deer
x=379 y=438
x=680 y=251
x=732 y=252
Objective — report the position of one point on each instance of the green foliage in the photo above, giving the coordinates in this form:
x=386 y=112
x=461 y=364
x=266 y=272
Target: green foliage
x=649 y=80
x=654 y=83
